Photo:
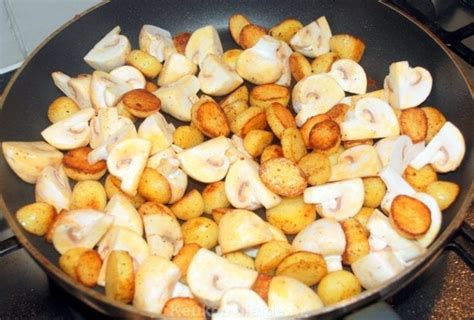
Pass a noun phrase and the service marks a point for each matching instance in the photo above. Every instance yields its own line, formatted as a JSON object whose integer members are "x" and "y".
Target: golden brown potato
{"x": 88, "y": 194}
{"x": 265, "y": 95}
{"x": 420, "y": 179}
{"x": 120, "y": 276}
{"x": 202, "y": 231}
{"x": 77, "y": 167}
{"x": 232, "y": 110}
{"x": 325, "y": 137}
{"x": 309, "y": 124}
{"x": 283, "y": 177}
{"x": 252, "y": 118}
{"x": 48, "y": 237}
{"x": 150, "y": 87}
{"x": 347, "y": 46}
{"x": 270, "y": 255}
{"x": 241, "y": 259}
{"x": 250, "y": 34}
{"x": 333, "y": 158}
{"x": 410, "y": 216}
{"x": 444, "y": 192}
{"x": 231, "y": 56}
{"x": 271, "y": 152}
{"x": 292, "y": 144}
{"x": 363, "y": 215}
{"x": 218, "y": 213}
{"x": 357, "y": 241}
{"x": 146, "y": 63}
{"x": 184, "y": 309}
{"x": 286, "y": 29}
{"x": 180, "y": 41}
{"x": 337, "y": 286}
{"x": 299, "y": 66}
{"x": 187, "y": 137}
{"x": 338, "y": 112}
{"x": 190, "y": 206}
{"x": 122, "y": 109}
{"x": 36, "y": 218}
{"x": 239, "y": 94}
{"x": 316, "y": 167}
{"x": 352, "y": 143}
{"x": 262, "y": 285}
{"x": 152, "y": 207}
{"x": 435, "y": 120}
{"x": 209, "y": 118}
{"x": 153, "y": 186}
{"x": 141, "y": 103}
{"x": 306, "y": 267}
{"x": 374, "y": 191}
{"x": 61, "y": 108}
{"x": 236, "y": 23}
{"x": 279, "y": 118}
{"x": 291, "y": 215}
{"x": 214, "y": 197}
{"x": 257, "y": 140}
{"x": 323, "y": 63}
{"x": 88, "y": 268}
{"x": 112, "y": 186}
{"x": 184, "y": 258}
{"x": 413, "y": 123}
{"x": 69, "y": 260}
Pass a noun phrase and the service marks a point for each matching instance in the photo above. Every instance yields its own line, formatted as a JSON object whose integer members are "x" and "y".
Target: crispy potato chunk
{"x": 250, "y": 34}
{"x": 299, "y": 66}
{"x": 347, "y": 46}
{"x": 150, "y": 87}
{"x": 236, "y": 23}
{"x": 413, "y": 123}
{"x": 265, "y": 95}
{"x": 279, "y": 118}
{"x": 218, "y": 213}
{"x": 323, "y": 63}
{"x": 283, "y": 177}
{"x": 146, "y": 63}
{"x": 232, "y": 111}
{"x": 251, "y": 119}
{"x": 257, "y": 140}
{"x": 435, "y": 120}
{"x": 352, "y": 143}
{"x": 152, "y": 207}
{"x": 184, "y": 257}
{"x": 444, "y": 192}
{"x": 184, "y": 308}
{"x": 420, "y": 179}
{"x": 363, "y": 215}
{"x": 180, "y": 41}
{"x": 209, "y": 118}
{"x": 202, "y": 231}
{"x": 325, "y": 136}
{"x": 77, "y": 167}
{"x": 357, "y": 241}
{"x": 337, "y": 286}
{"x": 306, "y": 267}
{"x": 112, "y": 187}
{"x": 316, "y": 167}
{"x": 153, "y": 186}
{"x": 292, "y": 144}
{"x": 338, "y": 112}
{"x": 36, "y": 218}
{"x": 190, "y": 206}
{"x": 88, "y": 194}
{"x": 270, "y": 255}
{"x": 374, "y": 191}
{"x": 88, "y": 268}
{"x": 291, "y": 215}
{"x": 241, "y": 259}
{"x": 120, "y": 276}
{"x": 239, "y": 94}
{"x": 286, "y": 29}
{"x": 271, "y": 152}
{"x": 141, "y": 103}
{"x": 214, "y": 197}
{"x": 61, "y": 108}
{"x": 262, "y": 285}
{"x": 308, "y": 126}
{"x": 69, "y": 260}
{"x": 410, "y": 216}
{"x": 231, "y": 56}
{"x": 187, "y": 137}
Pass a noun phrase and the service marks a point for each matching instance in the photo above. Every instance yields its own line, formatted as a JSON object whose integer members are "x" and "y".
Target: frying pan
{"x": 388, "y": 34}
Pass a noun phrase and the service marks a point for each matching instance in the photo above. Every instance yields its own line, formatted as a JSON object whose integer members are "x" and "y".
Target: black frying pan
{"x": 389, "y": 36}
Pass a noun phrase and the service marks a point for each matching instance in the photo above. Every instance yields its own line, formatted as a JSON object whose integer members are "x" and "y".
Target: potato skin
{"x": 69, "y": 261}
{"x": 435, "y": 120}
{"x": 271, "y": 152}
{"x": 420, "y": 179}
{"x": 77, "y": 166}
{"x": 184, "y": 257}
{"x": 286, "y": 29}
{"x": 337, "y": 286}
{"x": 325, "y": 136}
{"x": 306, "y": 267}
{"x": 347, "y": 46}
{"x": 256, "y": 141}
{"x": 308, "y": 126}
{"x": 270, "y": 255}
{"x": 184, "y": 308}
{"x": 291, "y": 215}
{"x": 187, "y": 137}
{"x": 363, "y": 215}
{"x": 299, "y": 66}
{"x": 250, "y": 34}
{"x": 150, "y": 87}
{"x": 230, "y": 57}
{"x": 409, "y": 216}
{"x": 265, "y": 95}
{"x": 374, "y": 191}
{"x": 209, "y": 118}
{"x": 120, "y": 277}
{"x": 152, "y": 207}
{"x": 141, "y": 103}
{"x": 279, "y": 118}
{"x": 236, "y": 23}
{"x": 146, "y": 63}
{"x": 190, "y": 206}
{"x": 36, "y": 218}
{"x": 214, "y": 197}
{"x": 357, "y": 241}
{"x": 262, "y": 285}
{"x": 240, "y": 258}
{"x": 250, "y": 119}
{"x": 180, "y": 41}
{"x": 88, "y": 194}
{"x": 153, "y": 186}
{"x": 88, "y": 268}
{"x": 323, "y": 63}
{"x": 413, "y": 123}
{"x": 61, "y": 108}
{"x": 202, "y": 231}
{"x": 283, "y": 177}
{"x": 316, "y": 167}
{"x": 444, "y": 192}
{"x": 292, "y": 144}
{"x": 338, "y": 112}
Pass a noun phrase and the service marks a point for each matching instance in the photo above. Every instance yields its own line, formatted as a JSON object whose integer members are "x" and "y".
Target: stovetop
{"x": 444, "y": 291}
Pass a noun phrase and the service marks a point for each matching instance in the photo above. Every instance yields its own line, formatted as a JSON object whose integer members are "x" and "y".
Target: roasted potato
{"x": 61, "y": 108}
{"x": 309, "y": 124}
{"x": 239, "y": 94}
{"x": 146, "y": 63}
{"x": 283, "y": 177}
{"x": 357, "y": 241}
{"x": 209, "y": 118}
{"x": 306, "y": 267}
{"x": 413, "y": 123}
{"x": 152, "y": 207}
{"x": 250, "y": 119}
{"x": 232, "y": 111}
{"x": 214, "y": 197}
{"x": 36, "y": 218}
{"x": 153, "y": 186}
{"x": 141, "y": 103}
{"x": 279, "y": 118}
{"x": 88, "y": 194}
{"x": 325, "y": 137}
{"x": 420, "y": 179}
{"x": 286, "y": 29}
{"x": 122, "y": 109}
{"x": 347, "y": 46}
{"x": 180, "y": 41}
{"x": 250, "y": 34}
{"x": 190, "y": 206}
{"x": 444, "y": 192}
{"x": 337, "y": 286}
{"x": 230, "y": 57}
{"x": 236, "y": 23}
{"x": 218, "y": 213}
{"x": 292, "y": 144}
{"x": 265, "y": 95}
{"x": 184, "y": 257}
{"x": 410, "y": 216}
{"x": 262, "y": 285}
{"x": 184, "y": 309}
{"x": 271, "y": 152}
{"x": 150, "y": 87}
{"x": 435, "y": 120}
{"x": 338, "y": 112}
{"x": 69, "y": 260}
{"x": 200, "y": 230}
{"x": 291, "y": 215}
{"x": 316, "y": 167}
{"x": 299, "y": 66}
{"x": 323, "y": 63}
{"x": 187, "y": 137}
{"x": 374, "y": 191}
{"x": 256, "y": 141}
{"x": 363, "y": 215}
{"x": 352, "y": 143}
{"x": 270, "y": 255}
{"x": 120, "y": 276}
{"x": 88, "y": 268}
{"x": 112, "y": 186}
{"x": 240, "y": 258}
{"x": 77, "y": 166}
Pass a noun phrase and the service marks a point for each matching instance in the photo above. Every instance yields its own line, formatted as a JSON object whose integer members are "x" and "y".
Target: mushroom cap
{"x": 52, "y": 186}
{"x": 203, "y": 41}
{"x": 156, "y": 42}
{"x": 176, "y": 67}
{"x": 313, "y": 39}
{"x": 349, "y": 75}
{"x": 356, "y": 162}
{"x": 241, "y": 303}
{"x": 130, "y": 75}
{"x": 159, "y": 132}
{"x": 163, "y": 234}
{"x": 124, "y": 213}
{"x": 398, "y": 152}
{"x": 217, "y": 78}
{"x": 284, "y": 53}
{"x": 80, "y": 90}
{"x": 106, "y": 89}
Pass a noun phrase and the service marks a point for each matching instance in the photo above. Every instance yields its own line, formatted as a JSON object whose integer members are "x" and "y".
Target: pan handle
{"x": 379, "y": 310}
{"x": 462, "y": 244}
{"x": 9, "y": 245}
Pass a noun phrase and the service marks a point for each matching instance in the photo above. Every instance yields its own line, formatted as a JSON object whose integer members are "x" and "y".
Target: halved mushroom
{"x": 156, "y": 130}
{"x": 356, "y": 162}
{"x": 70, "y": 133}
{"x": 381, "y": 94}
{"x": 176, "y": 67}
{"x": 163, "y": 234}
{"x": 261, "y": 64}
{"x": 124, "y": 213}
{"x": 241, "y": 303}
{"x": 127, "y": 160}
{"x": 79, "y": 229}
{"x": 110, "y": 52}
{"x": 130, "y": 75}
{"x": 349, "y": 75}
{"x": 107, "y": 90}
{"x": 444, "y": 152}
{"x": 202, "y": 42}
{"x": 339, "y": 200}
{"x": 217, "y": 78}
{"x": 210, "y": 276}
{"x": 78, "y": 88}
{"x": 407, "y": 87}
{"x": 156, "y": 42}
{"x": 313, "y": 95}
{"x": 313, "y": 39}
{"x": 284, "y": 53}
{"x": 371, "y": 118}
{"x": 28, "y": 159}
{"x": 245, "y": 189}
{"x": 325, "y": 237}
{"x": 178, "y": 98}
{"x": 237, "y": 150}
{"x": 52, "y": 186}
{"x": 181, "y": 290}
{"x": 207, "y": 162}
{"x": 398, "y": 152}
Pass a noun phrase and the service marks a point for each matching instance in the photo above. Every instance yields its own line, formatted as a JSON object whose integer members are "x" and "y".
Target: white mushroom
{"x": 325, "y": 237}
{"x": 237, "y": 150}
{"x": 381, "y": 94}
{"x": 217, "y": 78}
{"x": 398, "y": 152}
{"x": 356, "y": 162}
{"x": 202, "y": 42}
{"x": 78, "y": 89}
{"x": 407, "y": 87}
{"x": 313, "y": 39}
{"x": 70, "y": 133}
{"x": 156, "y": 42}
{"x": 176, "y": 67}
{"x": 241, "y": 303}
{"x": 28, "y": 159}
{"x": 371, "y": 118}
{"x": 130, "y": 75}
{"x": 156, "y": 130}
{"x": 107, "y": 90}
{"x": 124, "y": 213}
{"x": 181, "y": 290}
{"x": 444, "y": 152}
{"x": 110, "y": 52}
{"x": 261, "y": 64}
{"x": 52, "y": 186}
{"x": 340, "y": 200}
{"x": 284, "y": 53}
{"x": 349, "y": 75}
{"x": 163, "y": 234}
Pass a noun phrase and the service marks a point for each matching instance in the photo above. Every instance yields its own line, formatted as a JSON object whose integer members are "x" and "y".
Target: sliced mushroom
{"x": 241, "y": 303}
{"x": 107, "y": 90}
{"x": 371, "y": 118}
{"x": 398, "y": 152}
{"x": 156, "y": 130}
{"x": 356, "y": 162}
{"x": 284, "y": 53}
{"x": 245, "y": 189}
{"x": 407, "y": 87}
{"x": 202, "y": 42}
{"x": 130, "y": 75}
{"x": 181, "y": 290}
{"x": 381, "y": 94}
{"x": 313, "y": 39}
{"x": 349, "y": 75}
{"x": 163, "y": 234}
{"x": 339, "y": 200}
{"x": 28, "y": 159}
{"x": 70, "y": 133}
{"x": 176, "y": 67}
{"x": 124, "y": 213}
{"x": 156, "y": 42}
{"x": 52, "y": 186}
{"x": 78, "y": 89}
{"x": 217, "y": 78}
{"x": 110, "y": 52}
{"x": 444, "y": 152}
{"x": 325, "y": 237}
{"x": 127, "y": 160}
{"x": 237, "y": 150}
